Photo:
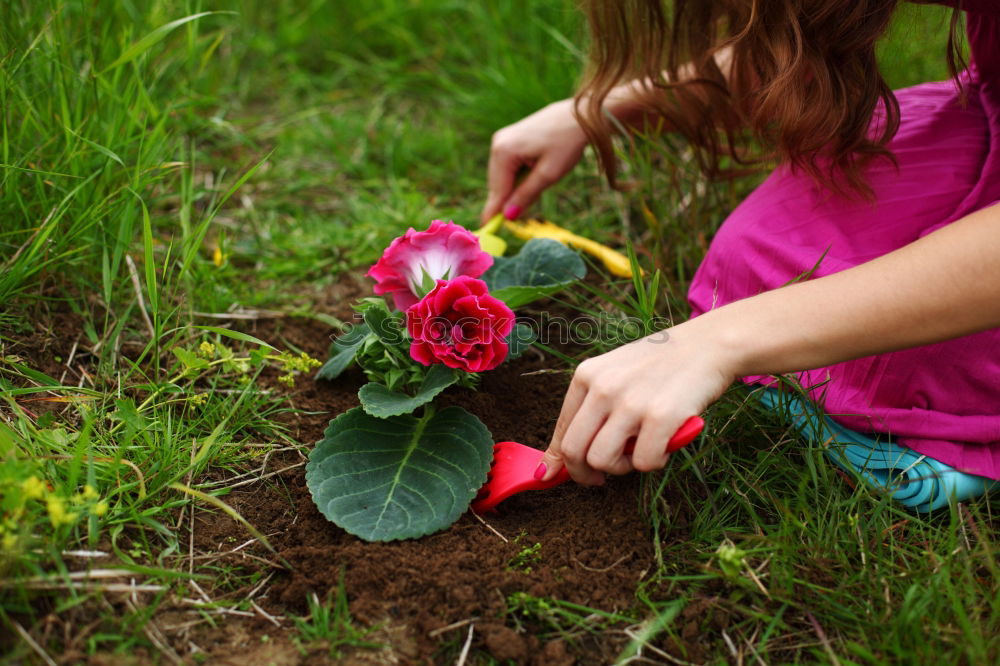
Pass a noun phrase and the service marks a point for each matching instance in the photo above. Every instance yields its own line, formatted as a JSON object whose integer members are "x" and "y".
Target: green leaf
{"x": 127, "y": 413}
{"x": 427, "y": 282}
{"x": 381, "y": 402}
{"x": 522, "y": 337}
{"x": 189, "y": 359}
{"x": 147, "y": 244}
{"x": 401, "y": 477}
{"x": 394, "y": 377}
{"x": 541, "y": 268}
{"x": 387, "y": 326}
{"x": 343, "y": 350}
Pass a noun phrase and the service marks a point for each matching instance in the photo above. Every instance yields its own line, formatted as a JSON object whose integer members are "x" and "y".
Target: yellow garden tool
{"x": 488, "y": 239}
{"x": 616, "y": 262}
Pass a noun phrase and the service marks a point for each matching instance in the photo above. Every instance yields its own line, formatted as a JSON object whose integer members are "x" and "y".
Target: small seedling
{"x": 527, "y": 558}
{"x": 731, "y": 559}
{"x": 560, "y": 618}
{"x": 331, "y": 622}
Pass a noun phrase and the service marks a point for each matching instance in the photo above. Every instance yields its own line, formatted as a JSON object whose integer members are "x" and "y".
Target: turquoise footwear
{"x": 912, "y": 479}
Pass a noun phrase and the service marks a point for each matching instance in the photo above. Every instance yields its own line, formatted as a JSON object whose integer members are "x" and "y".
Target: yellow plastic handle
{"x": 616, "y": 262}
{"x": 488, "y": 239}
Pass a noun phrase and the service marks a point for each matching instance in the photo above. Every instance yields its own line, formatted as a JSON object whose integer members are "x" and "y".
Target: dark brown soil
{"x": 594, "y": 547}
{"x": 584, "y": 546}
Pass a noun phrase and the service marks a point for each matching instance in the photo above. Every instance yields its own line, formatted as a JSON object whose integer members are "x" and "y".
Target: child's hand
{"x": 646, "y": 390}
{"x": 548, "y": 143}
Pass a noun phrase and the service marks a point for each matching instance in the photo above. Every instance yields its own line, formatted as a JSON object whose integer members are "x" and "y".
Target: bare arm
{"x": 548, "y": 143}
{"x": 942, "y": 286}
{"x": 624, "y": 101}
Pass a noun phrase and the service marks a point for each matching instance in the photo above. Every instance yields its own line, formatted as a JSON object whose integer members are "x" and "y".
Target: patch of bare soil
{"x": 424, "y": 594}
{"x": 585, "y": 546}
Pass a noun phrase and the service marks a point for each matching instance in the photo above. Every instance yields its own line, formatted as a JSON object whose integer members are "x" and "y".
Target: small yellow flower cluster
{"x": 8, "y": 535}
{"x": 58, "y": 514}
{"x": 197, "y": 399}
{"x": 33, "y": 488}
{"x": 293, "y": 365}
{"x": 23, "y": 499}
{"x": 206, "y": 350}
{"x": 88, "y": 496}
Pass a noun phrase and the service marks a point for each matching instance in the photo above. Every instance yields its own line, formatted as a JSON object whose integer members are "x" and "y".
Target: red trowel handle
{"x": 684, "y": 435}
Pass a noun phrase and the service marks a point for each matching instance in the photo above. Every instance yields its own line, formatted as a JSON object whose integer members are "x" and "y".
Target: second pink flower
{"x": 459, "y": 324}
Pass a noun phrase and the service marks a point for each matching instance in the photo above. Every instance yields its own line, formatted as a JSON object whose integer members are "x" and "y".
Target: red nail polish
{"x": 540, "y": 471}
{"x": 512, "y": 212}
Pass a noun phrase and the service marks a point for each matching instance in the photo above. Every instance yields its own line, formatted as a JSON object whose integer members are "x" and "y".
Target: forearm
{"x": 626, "y": 101}
{"x": 942, "y": 286}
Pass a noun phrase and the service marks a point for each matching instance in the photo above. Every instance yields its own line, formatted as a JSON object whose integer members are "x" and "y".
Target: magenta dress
{"x": 942, "y": 400}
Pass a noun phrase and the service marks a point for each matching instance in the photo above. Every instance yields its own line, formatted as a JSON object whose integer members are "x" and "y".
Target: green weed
{"x": 551, "y": 618}
{"x": 526, "y": 558}
{"x": 330, "y": 622}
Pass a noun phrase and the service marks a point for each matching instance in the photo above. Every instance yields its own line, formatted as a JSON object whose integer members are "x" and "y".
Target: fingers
{"x": 590, "y": 434}
{"x": 576, "y": 443}
{"x": 553, "y": 458}
{"x": 504, "y": 196}
{"x": 501, "y": 174}
{"x": 549, "y": 143}
{"x": 660, "y": 435}
{"x": 542, "y": 175}
{"x": 651, "y": 445}
{"x": 606, "y": 452}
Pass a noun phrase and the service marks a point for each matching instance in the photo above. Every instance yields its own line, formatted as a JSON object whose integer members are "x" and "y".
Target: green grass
{"x": 819, "y": 556}
{"x": 330, "y": 623}
{"x": 157, "y": 159}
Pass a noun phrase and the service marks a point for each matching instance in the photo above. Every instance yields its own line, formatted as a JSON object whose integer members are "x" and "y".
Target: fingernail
{"x": 540, "y": 471}
{"x": 512, "y": 212}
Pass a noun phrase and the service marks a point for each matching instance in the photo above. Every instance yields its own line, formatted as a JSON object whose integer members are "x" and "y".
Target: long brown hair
{"x": 803, "y": 86}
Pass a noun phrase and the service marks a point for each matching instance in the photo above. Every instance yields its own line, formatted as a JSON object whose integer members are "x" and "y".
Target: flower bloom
{"x": 459, "y": 324}
{"x": 413, "y": 263}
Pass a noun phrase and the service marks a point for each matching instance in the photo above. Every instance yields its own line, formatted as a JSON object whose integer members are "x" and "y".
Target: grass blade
{"x": 144, "y": 44}
{"x": 232, "y": 513}
{"x": 236, "y": 335}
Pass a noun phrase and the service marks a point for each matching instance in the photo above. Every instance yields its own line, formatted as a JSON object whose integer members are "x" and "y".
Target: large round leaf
{"x": 400, "y": 477}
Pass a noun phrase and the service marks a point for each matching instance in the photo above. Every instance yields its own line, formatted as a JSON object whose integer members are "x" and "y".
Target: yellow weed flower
{"x": 89, "y": 492}
{"x": 33, "y": 487}
{"x": 206, "y": 349}
{"x": 9, "y": 541}
{"x": 100, "y": 508}
{"x": 58, "y": 515}
{"x": 308, "y": 361}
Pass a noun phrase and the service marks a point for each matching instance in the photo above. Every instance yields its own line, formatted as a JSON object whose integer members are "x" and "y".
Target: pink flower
{"x": 459, "y": 324}
{"x": 413, "y": 263}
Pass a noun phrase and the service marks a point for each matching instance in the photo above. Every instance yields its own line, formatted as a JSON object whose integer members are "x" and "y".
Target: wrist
{"x": 620, "y": 102}
{"x": 722, "y": 340}
{"x": 623, "y": 103}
